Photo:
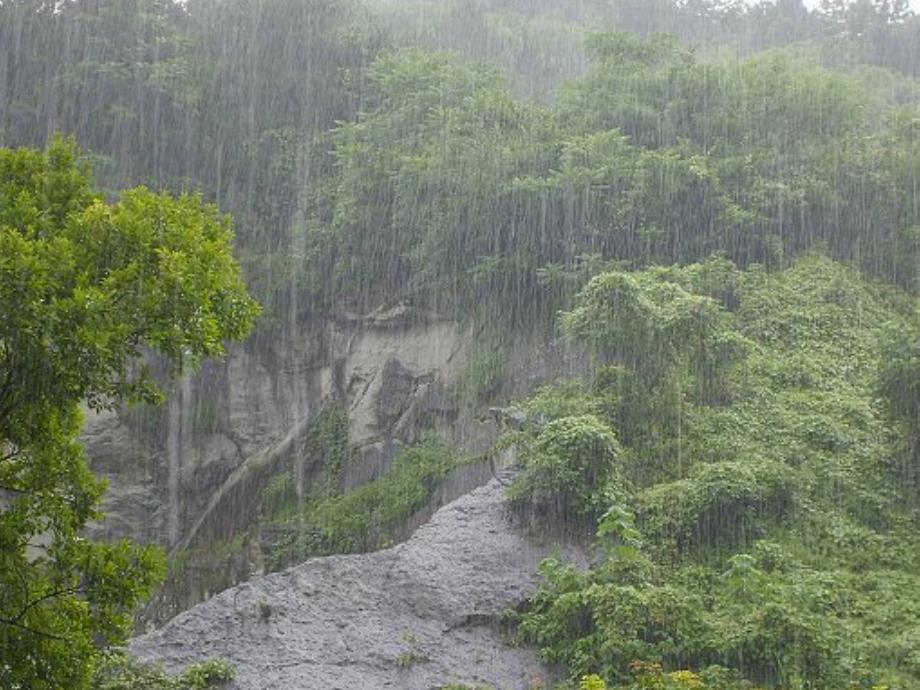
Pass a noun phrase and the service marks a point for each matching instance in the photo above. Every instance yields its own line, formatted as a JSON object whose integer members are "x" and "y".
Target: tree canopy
{"x": 708, "y": 190}
{"x": 88, "y": 291}
{"x": 765, "y": 537}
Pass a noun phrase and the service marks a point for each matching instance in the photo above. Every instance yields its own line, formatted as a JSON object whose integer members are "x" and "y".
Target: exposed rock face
{"x": 137, "y": 487}
{"x": 235, "y": 421}
{"x": 190, "y": 475}
{"x": 420, "y": 615}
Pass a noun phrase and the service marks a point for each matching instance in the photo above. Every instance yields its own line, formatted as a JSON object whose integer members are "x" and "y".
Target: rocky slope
{"x": 190, "y": 475}
{"x": 167, "y": 467}
{"x": 421, "y": 615}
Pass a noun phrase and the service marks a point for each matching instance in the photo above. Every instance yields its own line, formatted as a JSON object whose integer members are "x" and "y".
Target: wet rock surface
{"x": 420, "y": 615}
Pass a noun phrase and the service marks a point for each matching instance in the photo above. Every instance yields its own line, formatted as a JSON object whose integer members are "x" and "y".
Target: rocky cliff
{"x": 191, "y": 475}
{"x": 165, "y": 465}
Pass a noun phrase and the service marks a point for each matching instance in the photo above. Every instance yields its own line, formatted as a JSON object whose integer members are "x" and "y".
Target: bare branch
{"x": 33, "y": 631}
{"x": 51, "y": 595}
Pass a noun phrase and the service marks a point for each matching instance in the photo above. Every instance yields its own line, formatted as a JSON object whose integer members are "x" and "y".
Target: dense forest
{"x": 717, "y": 200}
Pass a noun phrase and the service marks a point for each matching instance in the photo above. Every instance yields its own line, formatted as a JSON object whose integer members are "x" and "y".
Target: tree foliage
{"x": 87, "y": 290}
{"x": 450, "y": 192}
{"x": 570, "y": 461}
{"x": 773, "y": 541}
{"x": 657, "y": 149}
{"x": 750, "y": 430}
{"x": 899, "y": 384}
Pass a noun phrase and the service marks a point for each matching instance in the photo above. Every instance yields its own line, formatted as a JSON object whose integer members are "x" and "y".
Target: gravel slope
{"x": 412, "y": 617}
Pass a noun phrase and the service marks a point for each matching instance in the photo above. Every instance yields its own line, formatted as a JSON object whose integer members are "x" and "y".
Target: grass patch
{"x": 368, "y": 517}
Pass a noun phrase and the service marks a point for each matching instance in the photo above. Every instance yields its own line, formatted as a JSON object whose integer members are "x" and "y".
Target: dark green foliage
{"x": 177, "y": 95}
{"x": 418, "y": 182}
{"x": 780, "y": 543}
{"x": 438, "y": 184}
{"x": 450, "y": 191}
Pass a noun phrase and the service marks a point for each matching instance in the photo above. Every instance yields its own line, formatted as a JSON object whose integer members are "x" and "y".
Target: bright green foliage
{"x": 86, "y": 288}
{"x": 780, "y": 543}
{"x": 719, "y": 503}
{"x": 658, "y": 324}
{"x": 651, "y": 676}
{"x": 668, "y": 342}
{"x": 899, "y": 384}
{"x": 592, "y": 682}
{"x": 567, "y": 464}
{"x": 366, "y": 518}
{"x": 117, "y": 671}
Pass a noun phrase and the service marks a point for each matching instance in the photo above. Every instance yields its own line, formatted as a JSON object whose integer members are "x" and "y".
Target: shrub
{"x": 367, "y": 517}
{"x": 118, "y": 671}
{"x": 720, "y": 504}
{"x": 566, "y": 467}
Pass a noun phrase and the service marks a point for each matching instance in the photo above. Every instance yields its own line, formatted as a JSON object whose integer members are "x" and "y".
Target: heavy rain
{"x": 459, "y": 344}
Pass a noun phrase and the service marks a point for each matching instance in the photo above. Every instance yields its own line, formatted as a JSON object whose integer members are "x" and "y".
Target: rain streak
{"x": 459, "y": 344}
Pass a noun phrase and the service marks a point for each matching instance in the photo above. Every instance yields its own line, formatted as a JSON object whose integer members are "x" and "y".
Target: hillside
{"x": 662, "y": 255}
{"x": 760, "y": 515}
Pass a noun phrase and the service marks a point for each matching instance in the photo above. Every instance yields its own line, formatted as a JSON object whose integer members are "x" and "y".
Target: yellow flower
{"x": 686, "y": 679}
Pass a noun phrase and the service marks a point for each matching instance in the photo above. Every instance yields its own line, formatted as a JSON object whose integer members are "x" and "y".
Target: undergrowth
{"x": 365, "y": 518}
{"x": 756, "y": 530}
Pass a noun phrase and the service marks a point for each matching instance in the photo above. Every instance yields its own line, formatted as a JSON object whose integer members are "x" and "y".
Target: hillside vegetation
{"x": 718, "y": 200}
{"x": 759, "y": 513}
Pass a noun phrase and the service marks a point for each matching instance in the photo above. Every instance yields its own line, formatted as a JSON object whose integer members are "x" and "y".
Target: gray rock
{"x": 509, "y": 417}
{"x": 417, "y": 616}
{"x": 396, "y": 386}
{"x": 368, "y": 463}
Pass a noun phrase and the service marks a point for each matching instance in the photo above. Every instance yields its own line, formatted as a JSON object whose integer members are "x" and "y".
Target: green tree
{"x": 667, "y": 343}
{"x": 424, "y": 200}
{"x": 87, "y": 289}
{"x": 899, "y": 383}
{"x": 567, "y": 467}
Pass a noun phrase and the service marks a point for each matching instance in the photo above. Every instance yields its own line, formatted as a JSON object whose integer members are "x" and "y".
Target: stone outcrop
{"x": 168, "y": 468}
{"x": 190, "y": 475}
{"x": 421, "y": 615}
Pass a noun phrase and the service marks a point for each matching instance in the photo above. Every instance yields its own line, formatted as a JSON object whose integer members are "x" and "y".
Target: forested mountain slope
{"x": 669, "y": 251}
{"x": 739, "y": 459}
{"x": 759, "y": 511}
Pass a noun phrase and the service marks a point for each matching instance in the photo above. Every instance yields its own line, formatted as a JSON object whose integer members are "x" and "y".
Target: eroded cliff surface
{"x": 165, "y": 465}
{"x": 191, "y": 475}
